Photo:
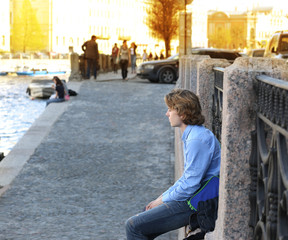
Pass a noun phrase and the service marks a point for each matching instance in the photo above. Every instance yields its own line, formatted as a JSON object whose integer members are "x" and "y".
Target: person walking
{"x": 172, "y": 209}
{"x": 115, "y": 51}
{"x": 144, "y": 56}
{"x": 133, "y": 56}
{"x": 124, "y": 56}
{"x": 150, "y": 57}
{"x": 91, "y": 54}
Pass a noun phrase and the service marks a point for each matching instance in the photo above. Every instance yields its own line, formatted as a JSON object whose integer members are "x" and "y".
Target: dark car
{"x": 166, "y": 71}
{"x": 230, "y": 55}
{"x": 256, "y": 52}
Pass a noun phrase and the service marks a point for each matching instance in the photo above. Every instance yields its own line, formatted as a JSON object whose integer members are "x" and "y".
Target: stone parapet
{"x": 238, "y": 120}
{"x": 205, "y": 85}
{"x": 75, "y": 71}
{"x": 188, "y": 71}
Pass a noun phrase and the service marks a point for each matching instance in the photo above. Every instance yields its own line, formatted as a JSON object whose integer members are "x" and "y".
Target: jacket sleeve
{"x": 198, "y": 158}
{"x": 97, "y": 52}
{"x": 84, "y": 46}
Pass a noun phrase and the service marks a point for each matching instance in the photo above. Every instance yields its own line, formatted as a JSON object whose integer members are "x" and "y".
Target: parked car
{"x": 166, "y": 71}
{"x": 277, "y": 46}
{"x": 256, "y": 52}
{"x": 230, "y": 55}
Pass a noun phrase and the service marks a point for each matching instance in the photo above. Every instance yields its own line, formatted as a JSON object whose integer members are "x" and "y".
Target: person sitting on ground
{"x": 60, "y": 91}
{"x": 172, "y": 209}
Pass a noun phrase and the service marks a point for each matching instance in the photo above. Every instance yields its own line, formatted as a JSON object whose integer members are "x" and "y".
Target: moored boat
{"x": 38, "y": 72}
{"x": 3, "y": 73}
{"x": 40, "y": 88}
{"x": 26, "y": 71}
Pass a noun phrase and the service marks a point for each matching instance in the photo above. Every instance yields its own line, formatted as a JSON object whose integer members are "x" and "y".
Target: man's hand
{"x": 154, "y": 203}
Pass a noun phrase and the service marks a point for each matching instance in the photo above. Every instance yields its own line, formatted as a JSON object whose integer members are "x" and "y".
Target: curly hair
{"x": 187, "y": 105}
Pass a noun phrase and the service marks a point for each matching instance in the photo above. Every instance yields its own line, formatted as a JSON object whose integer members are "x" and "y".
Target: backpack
{"x": 204, "y": 204}
{"x": 72, "y": 93}
{"x": 204, "y": 218}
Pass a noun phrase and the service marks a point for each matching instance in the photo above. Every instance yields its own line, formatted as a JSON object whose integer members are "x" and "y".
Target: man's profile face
{"x": 174, "y": 119}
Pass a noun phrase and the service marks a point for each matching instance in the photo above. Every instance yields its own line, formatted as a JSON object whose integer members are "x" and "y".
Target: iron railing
{"x": 217, "y": 102}
{"x": 269, "y": 161}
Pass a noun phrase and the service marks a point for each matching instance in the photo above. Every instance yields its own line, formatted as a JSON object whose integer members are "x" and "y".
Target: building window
{"x": 56, "y": 41}
{"x": 63, "y": 40}
{"x": 3, "y": 40}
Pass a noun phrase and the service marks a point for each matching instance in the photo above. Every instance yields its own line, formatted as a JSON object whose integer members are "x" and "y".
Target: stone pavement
{"x": 88, "y": 164}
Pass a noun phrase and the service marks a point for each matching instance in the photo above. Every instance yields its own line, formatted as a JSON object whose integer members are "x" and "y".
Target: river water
{"x": 17, "y": 110}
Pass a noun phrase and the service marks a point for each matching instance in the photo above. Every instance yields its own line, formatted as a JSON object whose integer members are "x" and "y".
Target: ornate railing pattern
{"x": 269, "y": 161}
{"x": 217, "y": 102}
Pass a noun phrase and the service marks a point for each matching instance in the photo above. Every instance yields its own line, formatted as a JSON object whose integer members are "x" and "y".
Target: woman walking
{"x": 125, "y": 59}
{"x": 133, "y": 57}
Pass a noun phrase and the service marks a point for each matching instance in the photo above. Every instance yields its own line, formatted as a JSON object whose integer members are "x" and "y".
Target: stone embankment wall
{"x": 72, "y": 64}
{"x": 238, "y": 120}
{"x": 13, "y": 65}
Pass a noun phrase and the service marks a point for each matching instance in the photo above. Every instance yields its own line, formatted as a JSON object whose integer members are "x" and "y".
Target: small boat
{"x": 42, "y": 88}
{"x": 3, "y": 73}
{"x": 37, "y": 72}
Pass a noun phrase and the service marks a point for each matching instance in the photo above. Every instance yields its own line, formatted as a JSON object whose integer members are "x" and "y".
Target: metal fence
{"x": 269, "y": 161}
{"x": 217, "y": 102}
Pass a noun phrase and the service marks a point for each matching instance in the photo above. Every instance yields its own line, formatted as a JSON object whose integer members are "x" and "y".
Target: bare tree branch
{"x": 163, "y": 20}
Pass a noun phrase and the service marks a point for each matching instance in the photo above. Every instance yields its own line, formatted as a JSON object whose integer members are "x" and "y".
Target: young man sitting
{"x": 172, "y": 209}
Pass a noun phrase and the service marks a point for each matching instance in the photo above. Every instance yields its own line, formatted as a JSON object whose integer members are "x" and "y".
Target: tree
{"x": 27, "y": 34}
{"x": 163, "y": 20}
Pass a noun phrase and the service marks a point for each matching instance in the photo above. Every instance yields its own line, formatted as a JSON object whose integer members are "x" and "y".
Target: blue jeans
{"x": 159, "y": 220}
{"x": 133, "y": 62}
{"x": 124, "y": 66}
{"x": 54, "y": 100}
{"x": 91, "y": 63}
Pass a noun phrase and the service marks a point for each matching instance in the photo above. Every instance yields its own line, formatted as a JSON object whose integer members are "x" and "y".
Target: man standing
{"x": 91, "y": 53}
{"x": 172, "y": 209}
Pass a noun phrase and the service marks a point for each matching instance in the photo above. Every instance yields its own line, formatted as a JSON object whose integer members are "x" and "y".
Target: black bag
{"x": 204, "y": 218}
{"x": 72, "y": 93}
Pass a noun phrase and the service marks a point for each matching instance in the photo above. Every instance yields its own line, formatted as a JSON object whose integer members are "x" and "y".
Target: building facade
{"x": 64, "y": 25}
{"x": 245, "y": 30}
{"x": 199, "y": 24}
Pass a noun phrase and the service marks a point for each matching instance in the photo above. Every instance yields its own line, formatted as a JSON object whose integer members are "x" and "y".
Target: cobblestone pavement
{"x": 108, "y": 155}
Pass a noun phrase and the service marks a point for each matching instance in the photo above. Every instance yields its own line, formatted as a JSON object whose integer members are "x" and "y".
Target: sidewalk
{"x": 88, "y": 164}
{"x": 111, "y": 76}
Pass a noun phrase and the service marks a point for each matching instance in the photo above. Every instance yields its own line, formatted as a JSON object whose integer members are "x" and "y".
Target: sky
{"x": 228, "y": 5}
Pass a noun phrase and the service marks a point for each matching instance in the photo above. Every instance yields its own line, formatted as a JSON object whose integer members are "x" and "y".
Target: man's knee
{"x": 129, "y": 225}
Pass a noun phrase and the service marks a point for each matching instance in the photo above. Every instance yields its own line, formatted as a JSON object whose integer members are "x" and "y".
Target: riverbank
{"x": 97, "y": 160}
{"x": 17, "y": 110}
